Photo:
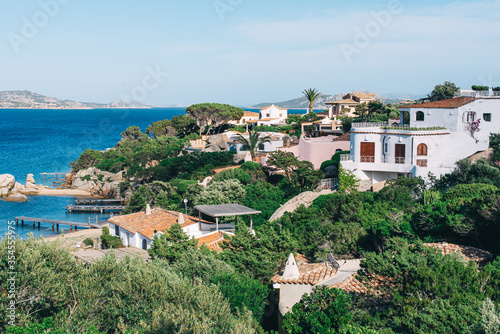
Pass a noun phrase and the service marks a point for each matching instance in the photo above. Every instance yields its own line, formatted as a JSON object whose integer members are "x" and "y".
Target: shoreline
{"x": 66, "y": 192}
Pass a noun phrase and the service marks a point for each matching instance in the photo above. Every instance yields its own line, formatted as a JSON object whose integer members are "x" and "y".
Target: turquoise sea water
{"x": 37, "y": 141}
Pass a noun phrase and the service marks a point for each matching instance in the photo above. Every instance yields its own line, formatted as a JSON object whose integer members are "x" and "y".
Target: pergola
{"x": 226, "y": 210}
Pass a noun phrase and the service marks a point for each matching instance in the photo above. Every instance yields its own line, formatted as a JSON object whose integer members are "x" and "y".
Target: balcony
{"x": 367, "y": 158}
{"x": 346, "y": 157}
{"x": 476, "y": 93}
{"x": 396, "y": 160}
{"x": 369, "y": 124}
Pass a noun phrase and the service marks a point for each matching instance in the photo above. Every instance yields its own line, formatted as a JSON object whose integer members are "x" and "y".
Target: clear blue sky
{"x": 250, "y": 51}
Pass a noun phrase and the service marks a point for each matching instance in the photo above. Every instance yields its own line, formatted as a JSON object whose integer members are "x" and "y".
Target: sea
{"x": 36, "y": 141}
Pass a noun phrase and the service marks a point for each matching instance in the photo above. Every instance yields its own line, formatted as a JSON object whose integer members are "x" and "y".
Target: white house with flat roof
{"x": 437, "y": 136}
{"x": 272, "y": 115}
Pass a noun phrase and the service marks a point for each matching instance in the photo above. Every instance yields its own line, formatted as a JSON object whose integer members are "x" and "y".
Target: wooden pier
{"x": 98, "y": 201}
{"x": 56, "y": 223}
{"x": 95, "y": 208}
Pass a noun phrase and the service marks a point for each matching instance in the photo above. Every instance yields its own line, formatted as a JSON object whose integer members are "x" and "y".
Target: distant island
{"x": 320, "y": 103}
{"x": 23, "y": 99}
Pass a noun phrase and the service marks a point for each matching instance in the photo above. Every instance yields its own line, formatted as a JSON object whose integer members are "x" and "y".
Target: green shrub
{"x": 89, "y": 242}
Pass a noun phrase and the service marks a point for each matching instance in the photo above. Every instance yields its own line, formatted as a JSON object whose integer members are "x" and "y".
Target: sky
{"x": 244, "y": 52}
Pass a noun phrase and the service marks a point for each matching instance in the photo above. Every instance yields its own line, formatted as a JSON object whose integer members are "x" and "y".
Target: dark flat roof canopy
{"x": 223, "y": 210}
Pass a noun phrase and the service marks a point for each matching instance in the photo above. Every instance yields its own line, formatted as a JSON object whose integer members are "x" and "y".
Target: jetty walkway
{"x": 95, "y": 208}
{"x": 55, "y": 222}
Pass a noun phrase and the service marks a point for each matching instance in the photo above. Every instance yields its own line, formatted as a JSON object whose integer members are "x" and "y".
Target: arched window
{"x": 422, "y": 149}
{"x": 420, "y": 116}
{"x": 144, "y": 244}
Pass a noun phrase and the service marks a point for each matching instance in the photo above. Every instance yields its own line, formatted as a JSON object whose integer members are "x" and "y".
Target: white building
{"x": 248, "y": 116}
{"x": 436, "y": 137}
{"x": 272, "y": 115}
{"x": 138, "y": 229}
{"x": 276, "y": 140}
{"x": 347, "y": 106}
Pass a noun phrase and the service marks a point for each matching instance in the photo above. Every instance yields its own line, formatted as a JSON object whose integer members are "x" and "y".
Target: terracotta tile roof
{"x": 274, "y": 106}
{"x": 219, "y": 170}
{"x": 250, "y": 114}
{"x": 347, "y": 101}
{"x": 364, "y": 96}
{"x": 469, "y": 253}
{"x": 159, "y": 220}
{"x": 212, "y": 241}
{"x": 266, "y": 119}
{"x": 344, "y": 137}
{"x": 310, "y": 273}
{"x": 456, "y": 102}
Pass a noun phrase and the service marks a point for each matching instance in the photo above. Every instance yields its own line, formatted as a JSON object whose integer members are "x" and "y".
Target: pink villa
{"x": 319, "y": 149}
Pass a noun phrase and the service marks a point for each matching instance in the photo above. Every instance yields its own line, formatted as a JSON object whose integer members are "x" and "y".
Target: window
{"x": 487, "y": 117}
{"x": 420, "y": 116}
{"x": 261, "y": 147}
{"x": 117, "y": 231}
{"x": 268, "y": 115}
{"x": 338, "y": 150}
{"x": 281, "y": 115}
{"x": 422, "y": 162}
{"x": 244, "y": 148}
{"x": 367, "y": 152}
{"x": 400, "y": 153}
{"x": 144, "y": 244}
{"x": 469, "y": 116}
{"x": 422, "y": 149}
{"x": 386, "y": 147}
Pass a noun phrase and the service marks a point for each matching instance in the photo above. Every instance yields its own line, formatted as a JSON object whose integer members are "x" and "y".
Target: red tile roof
{"x": 469, "y": 253}
{"x": 250, "y": 114}
{"x": 344, "y": 137}
{"x": 347, "y": 101}
{"x": 271, "y": 106}
{"x": 159, "y": 220}
{"x": 456, "y": 102}
{"x": 212, "y": 241}
{"x": 310, "y": 273}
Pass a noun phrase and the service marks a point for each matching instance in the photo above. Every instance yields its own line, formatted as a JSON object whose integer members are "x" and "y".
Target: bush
{"x": 109, "y": 241}
{"x": 89, "y": 242}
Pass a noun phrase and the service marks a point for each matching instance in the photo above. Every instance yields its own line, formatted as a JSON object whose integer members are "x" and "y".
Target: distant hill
{"x": 23, "y": 99}
{"x": 302, "y": 103}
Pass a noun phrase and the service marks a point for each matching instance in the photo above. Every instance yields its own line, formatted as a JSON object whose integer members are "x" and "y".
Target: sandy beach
{"x": 70, "y": 239}
{"x": 66, "y": 192}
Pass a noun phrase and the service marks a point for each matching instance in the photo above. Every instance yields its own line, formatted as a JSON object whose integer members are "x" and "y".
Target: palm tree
{"x": 311, "y": 94}
{"x": 254, "y": 141}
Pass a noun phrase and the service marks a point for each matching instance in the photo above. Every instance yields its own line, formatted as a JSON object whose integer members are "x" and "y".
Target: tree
{"x": 300, "y": 173}
{"x": 222, "y": 192}
{"x": 324, "y": 310}
{"x": 257, "y": 255}
{"x": 311, "y": 95}
{"x": 133, "y": 133}
{"x": 348, "y": 182}
{"x": 443, "y": 92}
{"x": 253, "y": 142}
{"x": 361, "y": 110}
{"x": 172, "y": 245}
{"x": 213, "y": 114}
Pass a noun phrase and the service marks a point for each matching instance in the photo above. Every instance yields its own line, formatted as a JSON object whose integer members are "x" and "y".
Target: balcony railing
{"x": 367, "y": 158}
{"x": 368, "y": 124}
{"x": 408, "y": 128}
{"x": 345, "y": 157}
{"x": 390, "y": 160}
{"x": 476, "y": 93}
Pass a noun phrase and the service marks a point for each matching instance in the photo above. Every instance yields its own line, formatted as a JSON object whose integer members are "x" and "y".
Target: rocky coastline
{"x": 90, "y": 182}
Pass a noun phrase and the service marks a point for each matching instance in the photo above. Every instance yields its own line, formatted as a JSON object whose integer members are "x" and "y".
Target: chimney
{"x": 291, "y": 269}
{"x": 181, "y": 220}
{"x": 148, "y": 210}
